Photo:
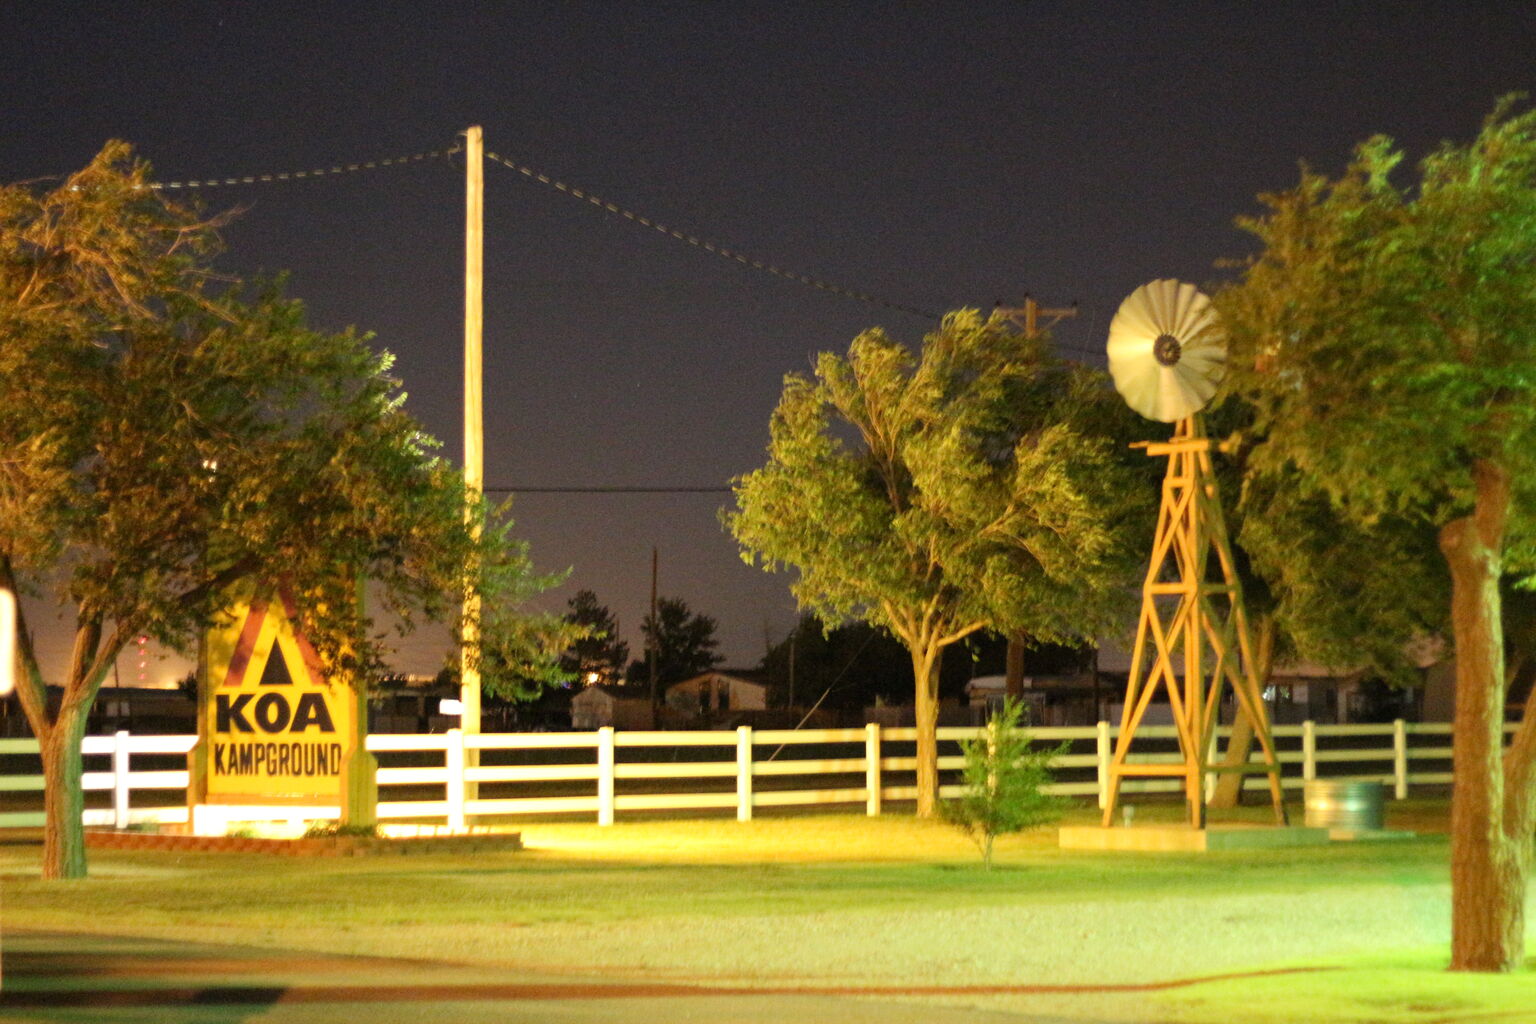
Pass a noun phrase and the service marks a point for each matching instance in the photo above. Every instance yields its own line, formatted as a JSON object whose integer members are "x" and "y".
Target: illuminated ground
{"x": 812, "y": 918}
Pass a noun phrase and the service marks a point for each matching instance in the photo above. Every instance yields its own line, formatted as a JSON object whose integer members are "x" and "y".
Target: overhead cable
{"x": 318, "y": 172}
{"x": 708, "y": 246}
{"x": 575, "y": 193}
{"x": 606, "y": 490}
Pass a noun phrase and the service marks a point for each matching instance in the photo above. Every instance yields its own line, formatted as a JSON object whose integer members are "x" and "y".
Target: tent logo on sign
{"x": 276, "y": 728}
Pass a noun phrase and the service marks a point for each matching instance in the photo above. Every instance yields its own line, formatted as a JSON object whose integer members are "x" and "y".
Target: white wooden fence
{"x": 741, "y": 769}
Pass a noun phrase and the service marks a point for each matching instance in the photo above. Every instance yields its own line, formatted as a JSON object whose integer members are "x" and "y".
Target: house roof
{"x": 998, "y": 684}
{"x": 609, "y": 690}
{"x": 747, "y": 677}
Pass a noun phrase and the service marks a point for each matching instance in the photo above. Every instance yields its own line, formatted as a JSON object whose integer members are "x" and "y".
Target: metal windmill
{"x": 1167, "y": 356}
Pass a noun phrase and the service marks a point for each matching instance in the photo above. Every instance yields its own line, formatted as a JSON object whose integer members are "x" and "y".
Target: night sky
{"x": 934, "y": 156}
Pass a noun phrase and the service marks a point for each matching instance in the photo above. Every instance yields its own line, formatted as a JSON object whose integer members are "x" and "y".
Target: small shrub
{"x": 1003, "y": 777}
{"x": 332, "y": 829}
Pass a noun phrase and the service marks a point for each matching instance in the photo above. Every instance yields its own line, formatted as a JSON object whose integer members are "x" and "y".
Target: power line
{"x": 318, "y": 172}
{"x": 708, "y": 246}
{"x": 575, "y": 193}
{"x": 1083, "y": 350}
{"x": 570, "y": 190}
{"x": 607, "y": 490}
{"x": 830, "y": 686}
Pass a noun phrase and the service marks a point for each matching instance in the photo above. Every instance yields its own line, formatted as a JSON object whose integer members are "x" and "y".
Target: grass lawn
{"x": 888, "y": 903}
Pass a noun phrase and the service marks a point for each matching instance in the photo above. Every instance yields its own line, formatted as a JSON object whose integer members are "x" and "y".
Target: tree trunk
{"x": 1520, "y": 783}
{"x": 1013, "y": 678}
{"x": 925, "y": 670}
{"x": 63, "y": 799}
{"x": 1488, "y": 870}
{"x": 1229, "y": 785}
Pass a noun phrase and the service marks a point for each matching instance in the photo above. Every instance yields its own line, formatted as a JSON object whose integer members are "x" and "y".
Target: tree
{"x": 1311, "y": 579}
{"x": 975, "y": 486}
{"x": 846, "y": 666}
{"x": 1003, "y": 778}
{"x": 600, "y": 651}
{"x": 162, "y": 436}
{"x": 682, "y": 641}
{"x": 852, "y": 665}
{"x": 1386, "y": 336}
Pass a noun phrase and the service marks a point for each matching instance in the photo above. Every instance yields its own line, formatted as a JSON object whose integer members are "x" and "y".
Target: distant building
{"x": 715, "y": 693}
{"x": 1047, "y": 700}
{"x": 951, "y": 713}
{"x": 987, "y": 693}
{"x": 142, "y": 710}
{"x": 410, "y": 705}
{"x": 600, "y": 706}
{"x": 1305, "y": 691}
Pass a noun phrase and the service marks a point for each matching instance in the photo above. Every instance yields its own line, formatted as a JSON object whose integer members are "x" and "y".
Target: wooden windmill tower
{"x": 1192, "y": 643}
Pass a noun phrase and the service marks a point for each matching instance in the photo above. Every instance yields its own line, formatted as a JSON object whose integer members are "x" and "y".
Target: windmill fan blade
{"x": 1166, "y": 353}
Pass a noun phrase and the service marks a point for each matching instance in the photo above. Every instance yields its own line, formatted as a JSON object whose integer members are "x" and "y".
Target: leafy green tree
{"x": 854, "y": 665}
{"x": 978, "y": 485}
{"x": 600, "y": 652}
{"x": 846, "y": 667}
{"x": 682, "y": 641}
{"x": 1386, "y": 336}
{"x": 1003, "y": 778}
{"x": 1318, "y": 575}
{"x": 163, "y": 435}
{"x": 1311, "y": 577}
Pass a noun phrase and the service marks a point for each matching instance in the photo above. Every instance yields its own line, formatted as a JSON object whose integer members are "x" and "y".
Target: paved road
{"x": 65, "y": 977}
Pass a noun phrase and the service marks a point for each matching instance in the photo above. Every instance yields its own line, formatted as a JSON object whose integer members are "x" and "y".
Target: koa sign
{"x": 275, "y": 730}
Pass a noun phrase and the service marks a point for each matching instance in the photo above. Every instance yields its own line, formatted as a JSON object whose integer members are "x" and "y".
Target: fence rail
{"x": 604, "y": 773}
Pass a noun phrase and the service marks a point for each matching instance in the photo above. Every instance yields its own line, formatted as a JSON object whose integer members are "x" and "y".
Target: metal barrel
{"x": 1350, "y": 805}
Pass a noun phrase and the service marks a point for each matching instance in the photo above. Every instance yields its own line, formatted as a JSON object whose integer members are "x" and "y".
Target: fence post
{"x": 743, "y": 773}
{"x": 120, "y": 780}
{"x": 1102, "y": 750}
{"x": 605, "y": 775}
{"x": 453, "y": 761}
{"x": 1400, "y": 759}
{"x": 1308, "y": 750}
{"x": 872, "y": 781}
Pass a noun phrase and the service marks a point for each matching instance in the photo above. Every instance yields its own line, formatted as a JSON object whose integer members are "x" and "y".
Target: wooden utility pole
{"x": 652, "y": 636}
{"x": 793, "y": 637}
{"x": 474, "y": 422}
{"x": 1028, "y": 317}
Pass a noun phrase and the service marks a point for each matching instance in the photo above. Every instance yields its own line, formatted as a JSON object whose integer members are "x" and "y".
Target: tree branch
{"x": 86, "y": 652}
{"x": 962, "y": 632}
{"x": 107, "y": 651}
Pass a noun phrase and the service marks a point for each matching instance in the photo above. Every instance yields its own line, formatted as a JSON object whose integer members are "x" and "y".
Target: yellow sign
{"x": 276, "y": 732}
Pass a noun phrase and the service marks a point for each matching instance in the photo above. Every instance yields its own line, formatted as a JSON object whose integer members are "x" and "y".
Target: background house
{"x": 716, "y": 694}
{"x": 409, "y": 704}
{"x": 603, "y": 705}
{"x": 1047, "y": 700}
